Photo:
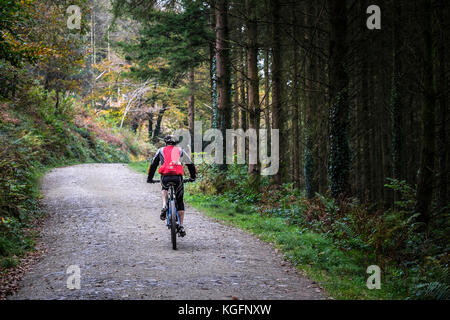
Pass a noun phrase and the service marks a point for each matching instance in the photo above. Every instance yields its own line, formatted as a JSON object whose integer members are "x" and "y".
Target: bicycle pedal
{"x": 181, "y": 234}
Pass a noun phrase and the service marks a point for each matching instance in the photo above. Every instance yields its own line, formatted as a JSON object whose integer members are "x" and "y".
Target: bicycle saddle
{"x": 171, "y": 184}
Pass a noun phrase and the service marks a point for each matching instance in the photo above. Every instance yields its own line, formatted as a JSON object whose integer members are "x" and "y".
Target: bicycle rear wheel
{"x": 173, "y": 224}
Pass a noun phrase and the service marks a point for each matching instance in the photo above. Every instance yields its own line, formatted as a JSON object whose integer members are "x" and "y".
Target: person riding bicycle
{"x": 171, "y": 158}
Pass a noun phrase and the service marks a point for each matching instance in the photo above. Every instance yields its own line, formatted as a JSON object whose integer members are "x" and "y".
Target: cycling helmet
{"x": 170, "y": 140}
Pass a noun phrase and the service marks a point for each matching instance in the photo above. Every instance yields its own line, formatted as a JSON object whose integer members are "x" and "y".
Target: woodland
{"x": 359, "y": 98}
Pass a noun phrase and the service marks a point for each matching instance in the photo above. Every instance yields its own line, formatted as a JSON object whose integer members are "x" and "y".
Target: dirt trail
{"x": 105, "y": 219}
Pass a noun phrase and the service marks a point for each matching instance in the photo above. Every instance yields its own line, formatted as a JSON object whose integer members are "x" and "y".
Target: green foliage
{"x": 36, "y": 42}
{"x": 179, "y": 36}
{"x": 433, "y": 291}
{"x": 437, "y": 287}
{"x": 8, "y": 262}
{"x": 334, "y": 239}
{"x": 13, "y": 241}
{"x": 36, "y": 136}
{"x": 12, "y": 14}
{"x": 234, "y": 184}
{"x": 42, "y": 65}
{"x": 340, "y": 272}
{"x": 407, "y": 193}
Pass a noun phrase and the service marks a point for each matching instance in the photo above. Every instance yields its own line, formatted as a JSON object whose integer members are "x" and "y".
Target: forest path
{"x": 105, "y": 219}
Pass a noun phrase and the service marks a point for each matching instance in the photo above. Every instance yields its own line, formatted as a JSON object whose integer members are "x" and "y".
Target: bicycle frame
{"x": 172, "y": 203}
{"x": 171, "y": 198}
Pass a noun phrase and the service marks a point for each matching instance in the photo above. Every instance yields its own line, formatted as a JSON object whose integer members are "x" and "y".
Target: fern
{"x": 435, "y": 290}
{"x": 432, "y": 291}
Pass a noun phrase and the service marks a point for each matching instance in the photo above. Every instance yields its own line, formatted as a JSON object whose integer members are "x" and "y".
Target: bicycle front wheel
{"x": 173, "y": 225}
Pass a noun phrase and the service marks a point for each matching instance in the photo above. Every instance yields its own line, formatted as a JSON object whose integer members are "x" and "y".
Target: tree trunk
{"x": 295, "y": 106}
{"x": 223, "y": 72}
{"x": 150, "y": 114}
{"x": 191, "y": 105}
{"x": 397, "y": 94}
{"x": 309, "y": 166}
{"x": 426, "y": 172}
{"x": 150, "y": 125}
{"x": 442, "y": 142}
{"x": 277, "y": 108}
{"x": 253, "y": 89}
{"x": 236, "y": 101}
{"x": 267, "y": 96}
{"x": 212, "y": 66}
{"x": 157, "y": 131}
{"x": 242, "y": 92}
{"x": 134, "y": 126}
{"x": 57, "y": 101}
{"x": 339, "y": 105}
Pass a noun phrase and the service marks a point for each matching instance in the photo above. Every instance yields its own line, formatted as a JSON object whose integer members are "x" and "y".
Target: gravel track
{"x": 105, "y": 219}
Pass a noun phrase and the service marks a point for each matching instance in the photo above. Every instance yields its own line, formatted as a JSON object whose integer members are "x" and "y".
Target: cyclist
{"x": 171, "y": 158}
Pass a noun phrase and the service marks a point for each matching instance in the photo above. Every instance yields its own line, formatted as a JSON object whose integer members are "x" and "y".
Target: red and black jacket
{"x": 160, "y": 159}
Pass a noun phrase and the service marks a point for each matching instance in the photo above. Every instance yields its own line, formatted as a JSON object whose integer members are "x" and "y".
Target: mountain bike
{"x": 173, "y": 219}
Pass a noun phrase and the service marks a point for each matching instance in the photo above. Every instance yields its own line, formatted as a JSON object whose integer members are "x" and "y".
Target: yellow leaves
{"x": 4, "y": 221}
{"x": 8, "y": 38}
{"x": 26, "y": 2}
{"x": 158, "y": 64}
{"x": 38, "y": 33}
{"x": 33, "y": 50}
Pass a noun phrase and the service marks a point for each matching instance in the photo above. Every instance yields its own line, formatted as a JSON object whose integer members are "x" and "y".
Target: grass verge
{"x": 342, "y": 274}
{"x": 142, "y": 167}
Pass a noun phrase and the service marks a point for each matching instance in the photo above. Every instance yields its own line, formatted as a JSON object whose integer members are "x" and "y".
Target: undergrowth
{"x": 36, "y": 136}
{"x": 335, "y": 241}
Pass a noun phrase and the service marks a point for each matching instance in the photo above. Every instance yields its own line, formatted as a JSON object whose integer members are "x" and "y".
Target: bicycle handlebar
{"x": 184, "y": 181}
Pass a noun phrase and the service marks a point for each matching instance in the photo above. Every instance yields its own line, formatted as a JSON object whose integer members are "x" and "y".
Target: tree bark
{"x": 397, "y": 94}
{"x": 277, "y": 95}
{"x": 442, "y": 139}
{"x": 339, "y": 106}
{"x": 267, "y": 120}
{"x": 253, "y": 89}
{"x": 236, "y": 101}
{"x": 242, "y": 92}
{"x": 212, "y": 66}
{"x": 191, "y": 105}
{"x": 426, "y": 172}
{"x": 223, "y": 72}
{"x": 295, "y": 107}
{"x": 157, "y": 131}
{"x": 310, "y": 156}
{"x": 150, "y": 125}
